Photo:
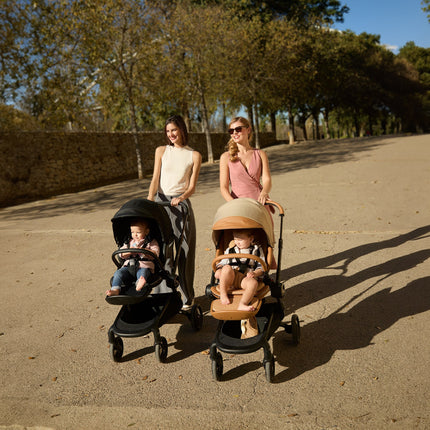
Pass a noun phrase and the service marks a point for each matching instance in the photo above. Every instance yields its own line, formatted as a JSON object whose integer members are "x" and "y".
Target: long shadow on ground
{"x": 350, "y": 327}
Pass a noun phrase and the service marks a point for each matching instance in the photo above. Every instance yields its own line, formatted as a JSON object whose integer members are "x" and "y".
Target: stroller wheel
{"x": 161, "y": 350}
{"x": 217, "y": 366}
{"x": 269, "y": 368}
{"x": 196, "y": 317}
{"x": 295, "y": 329}
{"x": 116, "y": 349}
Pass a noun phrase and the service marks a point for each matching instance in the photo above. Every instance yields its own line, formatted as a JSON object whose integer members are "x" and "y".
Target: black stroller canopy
{"x": 160, "y": 225}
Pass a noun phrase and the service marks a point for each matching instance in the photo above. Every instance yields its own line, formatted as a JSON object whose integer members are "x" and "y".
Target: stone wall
{"x": 37, "y": 165}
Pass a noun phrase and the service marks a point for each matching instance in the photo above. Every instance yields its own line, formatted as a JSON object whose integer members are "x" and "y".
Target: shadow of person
{"x": 348, "y": 256}
{"x": 311, "y": 291}
{"x": 349, "y": 330}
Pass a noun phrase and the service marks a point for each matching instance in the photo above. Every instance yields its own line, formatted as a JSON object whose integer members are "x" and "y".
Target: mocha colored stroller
{"x": 245, "y": 213}
{"x": 147, "y": 310}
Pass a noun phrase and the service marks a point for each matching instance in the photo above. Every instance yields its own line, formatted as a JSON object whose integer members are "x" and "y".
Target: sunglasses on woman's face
{"x": 237, "y": 129}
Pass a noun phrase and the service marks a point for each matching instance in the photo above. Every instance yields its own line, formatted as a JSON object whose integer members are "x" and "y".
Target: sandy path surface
{"x": 356, "y": 268}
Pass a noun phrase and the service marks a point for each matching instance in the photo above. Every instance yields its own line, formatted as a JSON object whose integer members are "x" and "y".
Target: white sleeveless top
{"x": 176, "y": 167}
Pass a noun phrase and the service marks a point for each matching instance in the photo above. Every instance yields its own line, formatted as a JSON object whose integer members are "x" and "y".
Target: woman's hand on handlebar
{"x": 176, "y": 200}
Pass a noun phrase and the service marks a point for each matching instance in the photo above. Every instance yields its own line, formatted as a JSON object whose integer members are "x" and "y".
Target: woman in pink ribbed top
{"x": 242, "y": 168}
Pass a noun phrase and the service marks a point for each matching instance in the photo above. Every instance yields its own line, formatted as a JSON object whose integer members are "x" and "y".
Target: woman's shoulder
{"x": 160, "y": 149}
{"x": 225, "y": 156}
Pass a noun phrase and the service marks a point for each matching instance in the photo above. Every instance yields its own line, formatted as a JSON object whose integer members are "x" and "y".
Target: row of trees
{"x": 128, "y": 64}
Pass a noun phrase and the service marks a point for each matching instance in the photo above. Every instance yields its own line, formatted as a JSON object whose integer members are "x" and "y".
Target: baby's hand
{"x": 250, "y": 274}
{"x": 125, "y": 255}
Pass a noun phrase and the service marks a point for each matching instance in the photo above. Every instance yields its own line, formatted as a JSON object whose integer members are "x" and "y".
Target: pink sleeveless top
{"x": 246, "y": 182}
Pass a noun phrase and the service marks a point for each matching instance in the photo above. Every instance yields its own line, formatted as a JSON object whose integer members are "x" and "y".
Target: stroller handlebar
{"x": 231, "y": 256}
{"x": 183, "y": 206}
{"x": 275, "y": 204}
{"x": 151, "y": 254}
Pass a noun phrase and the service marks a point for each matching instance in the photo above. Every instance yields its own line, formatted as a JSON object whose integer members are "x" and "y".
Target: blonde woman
{"x": 244, "y": 170}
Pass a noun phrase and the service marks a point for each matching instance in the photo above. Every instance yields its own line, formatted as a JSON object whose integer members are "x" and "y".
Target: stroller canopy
{"x": 161, "y": 228}
{"x": 242, "y": 213}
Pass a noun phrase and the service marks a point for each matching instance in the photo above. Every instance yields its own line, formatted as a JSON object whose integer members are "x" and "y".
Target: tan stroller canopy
{"x": 243, "y": 213}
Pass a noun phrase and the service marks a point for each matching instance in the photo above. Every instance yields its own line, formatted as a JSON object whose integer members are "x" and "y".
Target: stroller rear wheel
{"x": 295, "y": 329}
{"x": 196, "y": 317}
{"x": 116, "y": 349}
{"x": 217, "y": 366}
{"x": 161, "y": 350}
{"x": 269, "y": 368}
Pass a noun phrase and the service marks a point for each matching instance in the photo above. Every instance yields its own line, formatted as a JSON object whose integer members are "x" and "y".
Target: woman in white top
{"x": 176, "y": 170}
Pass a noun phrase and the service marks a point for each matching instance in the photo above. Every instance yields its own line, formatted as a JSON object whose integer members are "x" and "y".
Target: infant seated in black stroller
{"x": 146, "y": 283}
{"x": 137, "y": 267}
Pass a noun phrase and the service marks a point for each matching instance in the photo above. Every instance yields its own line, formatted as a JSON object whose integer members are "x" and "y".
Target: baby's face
{"x": 138, "y": 232}
{"x": 242, "y": 240}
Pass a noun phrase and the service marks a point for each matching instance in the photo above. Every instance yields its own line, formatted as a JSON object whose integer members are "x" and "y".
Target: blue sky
{"x": 396, "y": 21}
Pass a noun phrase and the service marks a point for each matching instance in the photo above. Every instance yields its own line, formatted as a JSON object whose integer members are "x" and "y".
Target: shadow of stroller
{"x": 352, "y": 329}
{"x": 308, "y": 292}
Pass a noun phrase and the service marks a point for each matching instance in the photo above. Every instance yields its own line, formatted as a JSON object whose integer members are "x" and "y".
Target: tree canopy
{"x": 127, "y": 64}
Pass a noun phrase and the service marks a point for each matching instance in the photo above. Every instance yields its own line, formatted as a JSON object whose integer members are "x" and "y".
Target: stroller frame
{"x": 142, "y": 313}
{"x": 269, "y": 318}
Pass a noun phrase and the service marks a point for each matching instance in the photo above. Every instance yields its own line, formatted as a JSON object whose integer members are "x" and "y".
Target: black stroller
{"x": 245, "y": 213}
{"x": 147, "y": 310}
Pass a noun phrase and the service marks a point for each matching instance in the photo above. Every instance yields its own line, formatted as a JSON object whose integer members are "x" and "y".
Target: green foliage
{"x": 127, "y": 64}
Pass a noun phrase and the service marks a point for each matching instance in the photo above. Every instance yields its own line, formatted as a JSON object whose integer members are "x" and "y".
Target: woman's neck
{"x": 243, "y": 148}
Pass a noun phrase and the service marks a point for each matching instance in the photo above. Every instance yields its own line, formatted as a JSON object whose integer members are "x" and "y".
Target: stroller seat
{"x": 242, "y": 332}
{"x": 230, "y": 311}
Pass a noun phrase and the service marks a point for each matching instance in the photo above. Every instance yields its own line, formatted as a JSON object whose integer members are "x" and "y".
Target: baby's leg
{"x": 119, "y": 278}
{"x": 226, "y": 279}
{"x": 142, "y": 276}
{"x": 114, "y": 291}
{"x": 249, "y": 285}
{"x": 140, "y": 283}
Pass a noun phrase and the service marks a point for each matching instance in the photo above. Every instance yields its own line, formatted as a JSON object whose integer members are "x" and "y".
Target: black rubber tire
{"x": 295, "y": 329}
{"x": 116, "y": 349}
{"x": 269, "y": 368}
{"x": 161, "y": 350}
{"x": 217, "y": 367}
{"x": 196, "y": 317}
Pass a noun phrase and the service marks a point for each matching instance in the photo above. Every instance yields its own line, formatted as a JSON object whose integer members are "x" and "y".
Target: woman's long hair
{"x": 231, "y": 144}
{"x": 180, "y": 123}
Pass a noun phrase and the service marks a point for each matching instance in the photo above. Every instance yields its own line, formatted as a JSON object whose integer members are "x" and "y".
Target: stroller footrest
{"x": 261, "y": 292}
{"x": 230, "y": 311}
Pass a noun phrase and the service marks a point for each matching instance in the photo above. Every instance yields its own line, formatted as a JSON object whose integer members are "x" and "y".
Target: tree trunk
{"x": 205, "y": 119}
{"x": 369, "y": 118}
{"x": 224, "y": 119}
{"x": 315, "y": 115}
{"x": 273, "y": 122}
{"x": 257, "y": 128}
{"x": 133, "y": 119}
{"x": 327, "y": 130}
{"x": 292, "y": 132}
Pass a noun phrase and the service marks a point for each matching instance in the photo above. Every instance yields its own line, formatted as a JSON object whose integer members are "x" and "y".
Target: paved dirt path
{"x": 356, "y": 264}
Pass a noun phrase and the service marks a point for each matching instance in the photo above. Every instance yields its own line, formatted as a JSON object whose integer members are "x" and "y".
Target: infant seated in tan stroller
{"x": 244, "y": 298}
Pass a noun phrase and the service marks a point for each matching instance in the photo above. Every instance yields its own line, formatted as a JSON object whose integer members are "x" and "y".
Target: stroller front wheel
{"x": 269, "y": 368}
{"x": 217, "y": 366}
{"x": 196, "y": 317}
{"x": 161, "y": 350}
{"x": 116, "y": 349}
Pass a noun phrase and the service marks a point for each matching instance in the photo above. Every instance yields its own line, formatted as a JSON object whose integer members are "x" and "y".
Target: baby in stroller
{"x": 240, "y": 273}
{"x": 247, "y": 322}
{"x": 129, "y": 272}
{"x": 149, "y": 298}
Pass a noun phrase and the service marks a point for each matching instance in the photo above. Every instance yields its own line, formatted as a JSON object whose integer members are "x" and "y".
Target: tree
{"x": 194, "y": 44}
{"x": 117, "y": 42}
{"x": 426, "y": 7}
{"x": 13, "y": 49}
